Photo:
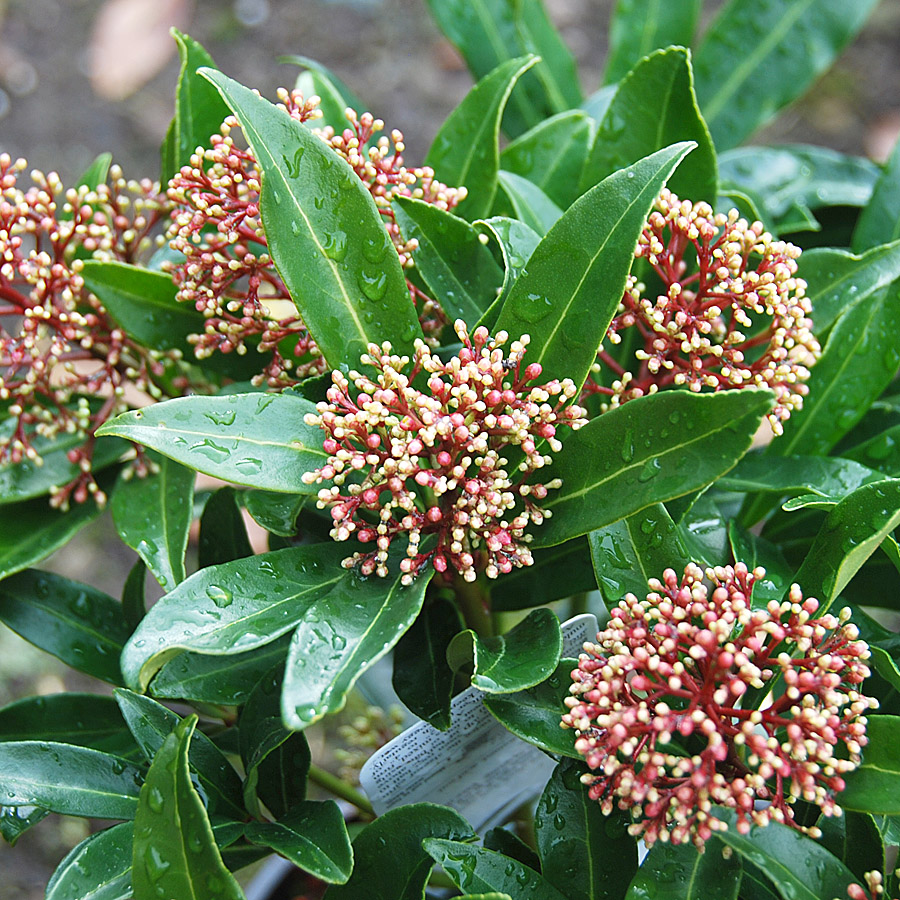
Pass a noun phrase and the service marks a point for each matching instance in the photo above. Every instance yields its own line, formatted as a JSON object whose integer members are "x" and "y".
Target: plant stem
{"x": 340, "y": 789}
{"x": 474, "y": 605}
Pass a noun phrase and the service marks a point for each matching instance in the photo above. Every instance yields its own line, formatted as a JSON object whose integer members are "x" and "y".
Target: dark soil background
{"x": 62, "y": 63}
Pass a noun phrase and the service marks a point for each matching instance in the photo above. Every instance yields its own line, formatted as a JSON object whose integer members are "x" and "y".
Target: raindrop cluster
{"x": 452, "y": 458}
{"x": 729, "y": 312}
{"x": 64, "y": 363}
{"x": 660, "y": 705}
{"x": 227, "y": 272}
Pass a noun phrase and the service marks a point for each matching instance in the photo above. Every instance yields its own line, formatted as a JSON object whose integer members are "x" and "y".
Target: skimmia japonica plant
{"x": 574, "y": 364}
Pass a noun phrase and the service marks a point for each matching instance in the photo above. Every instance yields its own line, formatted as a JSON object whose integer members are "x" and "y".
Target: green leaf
{"x": 226, "y": 680}
{"x": 86, "y": 720}
{"x": 879, "y": 222}
{"x": 552, "y": 154}
{"x": 276, "y": 761}
{"x": 502, "y": 840}
{"x": 566, "y": 297}
{"x": 337, "y": 261}
{"x": 153, "y": 516}
{"x": 629, "y": 552}
{"x": 151, "y": 723}
{"x": 421, "y": 677}
{"x": 134, "y": 601}
{"x": 476, "y": 869}
{"x": 32, "y": 530}
{"x": 223, "y": 536}
{"x": 792, "y": 180}
{"x": 850, "y": 534}
{"x": 684, "y": 873}
{"x": 757, "y": 551}
{"x": 238, "y": 606}
{"x": 99, "y": 868}
{"x": 313, "y": 836}
{"x": 74, "y": 622}
{"x": 535, "y": 713}
{"x": 754, "y": 60}
{"x": 858, "y": 361}
{"x": 400, "y": 874}
{"x": 339, "y": 635}
{"x": 874, "y": 787}
{"x": 466, "y": 149}
{"x": 16, "y": 820}
{"x": 260, "y": 440}
{"x": 644, "y": 452}
{"x": 529, "y": 203}
{"x": 882, "y": 663}
{"x": 64, "y": 778}
{"x": 95, "y": 174}
{"x": 276, "y": 512}
{"x": 796, "y": 865}
{"x": 855, "y": 840}
{"x": 199, "y": 110}
{"x": 174, "y": 852}
{"x": 639, "y": 27}
{"x": 514, "y": 661}
{"x": 570, "y": 826}
{"x": 457, "y": 268}
{"x": 655, "y": 106}
{"x": 334, "y": 95}
{"x": 837, "y": 280}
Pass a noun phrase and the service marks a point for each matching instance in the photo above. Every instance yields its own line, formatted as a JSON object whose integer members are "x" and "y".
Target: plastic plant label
{"x": 475, "y": 767}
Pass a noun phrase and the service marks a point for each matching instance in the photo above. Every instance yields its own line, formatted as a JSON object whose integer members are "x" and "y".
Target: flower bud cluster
{"x": 657, "y": 705}
{"x": 875, "y": 884}
{"x": 227, "y": 272}
{"x": 364, "y": 735}
{"x": 436, "y": 461}
{"x": 58, "y": 345}
{"x": 730, "y": 311}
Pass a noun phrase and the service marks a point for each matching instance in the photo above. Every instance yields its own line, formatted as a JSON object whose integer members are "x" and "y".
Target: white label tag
{"x": 476, "y": 767}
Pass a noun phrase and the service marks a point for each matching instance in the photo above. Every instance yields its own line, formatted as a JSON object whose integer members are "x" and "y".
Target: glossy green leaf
{"x": 238, "y": 606}
{"x": 475, "y": 869}
{"x": 569, "y": 826}
{"x": 529, "y": 203}
{"x": 30, "y": 531}
{"x": 223, "y": 535}
{"x": 748, "y": 65}
{"x": 502, "y": 840}
{"x": 227, "y": 680}
{"x": 151, "y": 723}
{"x": 340, "y": 634}
{"x": 557, "y": 572}
{"x": 858, "y": 361}
{"x": 76, "y": 623}
{"x": 64, "y": 778}
{"x": 276, "y": 761}
{"x": 632, "y": 550}
{"x": 134, "y": 600}
{"x": 552, "y": 155}
{"x": 95, "y": 174}
{"x": 276, "y": 512}
{"x": 466, "y": 149}
{"x": 796, "y": 865}
{"x": 422, "y": 679}
{"x": 153, "y": 516}
{"x": 260, "y": 440}
{"x": 574, "y": 280}
{"x": 459, "y": 271}
{"x": 99, "y": 868}
{"x": 874, "y": 787}
{"x": 879, "y": 221}
{"x": 490, "y": 895}
{"x": 850, "y": 534}
{"x": 883, "y": 663}
{"x": 16, "y": 820}
{"x": 639, "y": 27}
{"x": 535, "y": 713}
{"x": 683, "y": 873}
{"x": 655, "y": 106}
{"x": 199, "y": 110}
{"x": 174, "y": 852}
{"x": 837, "y": 279}
{"x": 334, "y": 95}
{"x": 87, "y": 720}
{"x": 598, "y": 103}
{"x": 881, "y": 451}
{"x": 855, "y": 840}
{"x": 644, "y": 452}
{"x": 756, "y": 551}
{"x": 313, "y": 836}
{"x": 400, "y": 874}
{"x": 337, "y": 261}
{"x": 514, "y": 661}
{"x": 704, "y": 532}
{"x": 793, "y": 180}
